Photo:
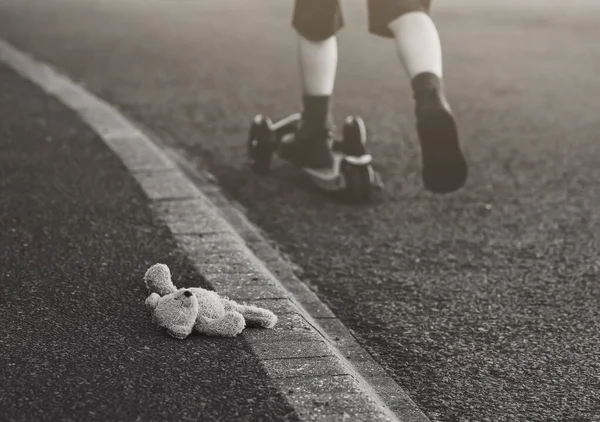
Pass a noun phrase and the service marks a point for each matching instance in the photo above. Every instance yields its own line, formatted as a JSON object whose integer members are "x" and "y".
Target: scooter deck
{"x": 331, "y": 179}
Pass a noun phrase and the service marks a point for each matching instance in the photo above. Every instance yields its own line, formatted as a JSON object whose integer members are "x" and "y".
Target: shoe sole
{"x": 444, "y": 165}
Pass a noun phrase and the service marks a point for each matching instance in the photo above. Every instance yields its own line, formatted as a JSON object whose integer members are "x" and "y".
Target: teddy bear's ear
{"x": 158, "y": 280}
{"x": 152, "y": 301}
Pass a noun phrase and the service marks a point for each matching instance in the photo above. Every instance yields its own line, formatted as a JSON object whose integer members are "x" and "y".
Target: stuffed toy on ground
{"x": 181, "y": 311}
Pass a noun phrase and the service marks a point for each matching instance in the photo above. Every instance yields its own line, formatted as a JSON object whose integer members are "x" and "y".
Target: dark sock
{"x": 311, "y": 147}
{"x": 425, "y": 83}
{"x": 316, "y": 113}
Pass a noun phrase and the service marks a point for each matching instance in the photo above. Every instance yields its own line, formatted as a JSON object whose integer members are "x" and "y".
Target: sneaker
{"x": 444, "y": 166}
{"x": 310, "y": 149}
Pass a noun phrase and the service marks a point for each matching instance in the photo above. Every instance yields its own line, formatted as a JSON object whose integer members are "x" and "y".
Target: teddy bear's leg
{"x": 180, "y": 331}
{"x": 229, "y": 325}
{"x": 257, "y": 317}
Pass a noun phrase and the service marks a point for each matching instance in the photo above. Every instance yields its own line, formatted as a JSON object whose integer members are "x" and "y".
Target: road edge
{"x": 311, "y": 357}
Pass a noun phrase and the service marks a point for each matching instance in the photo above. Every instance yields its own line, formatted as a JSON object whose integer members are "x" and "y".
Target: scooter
{"x": 352, "y": 174}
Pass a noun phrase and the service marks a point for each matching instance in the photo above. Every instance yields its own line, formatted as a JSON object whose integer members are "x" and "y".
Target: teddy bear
{"x": 180, "y": 311}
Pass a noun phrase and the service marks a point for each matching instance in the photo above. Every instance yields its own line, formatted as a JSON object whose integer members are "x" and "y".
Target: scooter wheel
{"x": 358, "y": 183}
{"x": 357, "y": 176}
{"x": 354, "y": 137}
{"x": 261, "y": 144}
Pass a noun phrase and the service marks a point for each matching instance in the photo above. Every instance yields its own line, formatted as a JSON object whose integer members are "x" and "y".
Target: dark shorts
{"x": 320, "y": 19}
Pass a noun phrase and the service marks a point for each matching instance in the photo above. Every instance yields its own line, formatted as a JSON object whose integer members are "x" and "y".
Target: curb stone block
{"x": 138, "y": 159}
{"x": 212, "y": 273}
{"x": 226, "y": 281}
{"x": 302, "y": 367}
{"x": 346, "y": 417}
{"x": 186, "y": 206}
{"x": 284, "y": 272}
{"x": 338, "y": 403}
{"x": 190, "y": 217}
{"x": 266, "y": 336}
{"x": 211, "y": 244}
{"x": 339, "y": 334}
{"x": 296, "y": 287}
{"x": 105, "y": 121}
{"x": 165, "y": 185}
{"x": 315, "y": 308}
{"x": 278, "y": 306}
{"x": 293, "y": 321}
{"x": 266, "y": 254}
{"x": 233, "y": 257}
{"x": 317, "y": 385}
{"x": 231, "y": 267}
{"x": 355, "y": 353}
{"x": 254, "y": 292}
{"x": 397, "y": 399}
{"x": 368, "y": 368}
{"x": 289, "y": 349}
{"x": 242, "y": 225}
{"x": 72, "y": 95}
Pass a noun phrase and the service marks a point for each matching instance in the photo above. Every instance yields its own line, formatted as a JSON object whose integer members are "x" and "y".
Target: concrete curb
{"x": 310, "y": 356}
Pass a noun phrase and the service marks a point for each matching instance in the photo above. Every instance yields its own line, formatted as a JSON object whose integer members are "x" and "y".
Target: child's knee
{"x": 317, "y": 20}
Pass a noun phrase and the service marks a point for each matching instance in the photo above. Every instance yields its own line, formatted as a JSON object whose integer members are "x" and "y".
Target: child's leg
{"x": 418, "y": 44}
{"x": 318, "y": 65}
{"x": 419, "y": 49}
{"x": 316, "y": 22}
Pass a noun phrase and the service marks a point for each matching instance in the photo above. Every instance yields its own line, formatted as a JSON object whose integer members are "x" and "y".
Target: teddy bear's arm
{"x": 152, "y": 301}
{"x": 255, "y": 316}
{"x": 229, "y": 325}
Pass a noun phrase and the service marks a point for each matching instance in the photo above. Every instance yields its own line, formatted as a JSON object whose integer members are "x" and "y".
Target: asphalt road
{"x": 76, "y": 342}
{"x": 483, "y": 304}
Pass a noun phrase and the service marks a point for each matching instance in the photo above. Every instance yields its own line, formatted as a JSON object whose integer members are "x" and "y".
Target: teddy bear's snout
{"x": 187, "y": 293}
